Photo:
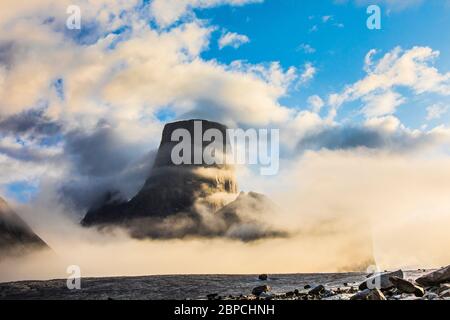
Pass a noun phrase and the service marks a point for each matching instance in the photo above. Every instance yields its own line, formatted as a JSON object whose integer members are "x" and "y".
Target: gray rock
{"x": 260, "y": 289}
{"x": 405, "y": 286}
{"x": 369, "y": 294}
{"x": 435, "y": 278}
{"x": 444, "y": 287}
{"x": 317, "y": 290}
{"x": 445, "y": 294}
{"x": 266, "y": 295}
{"x": 290, "y": 294}
{"x": 381, "y": 280}
{"x": 262, "y": 277}
{"x": 430, "y": 296}
{"x": 212, "y": 296}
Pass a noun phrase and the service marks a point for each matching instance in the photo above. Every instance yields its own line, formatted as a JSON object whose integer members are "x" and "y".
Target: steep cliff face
{"x": 16, "y": 237}
{"x": 171, "y": 189}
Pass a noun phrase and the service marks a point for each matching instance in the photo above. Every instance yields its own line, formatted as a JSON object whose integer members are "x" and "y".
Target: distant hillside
{"x": 16, "y": 237}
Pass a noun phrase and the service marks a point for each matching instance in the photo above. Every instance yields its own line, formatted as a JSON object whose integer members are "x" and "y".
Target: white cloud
{"x": 306, "y": 48}
{"x": 166, "y": 12}
{"x": 309, "y": 71}
{"x": 381, "y": 104}
{"x": 368, "y": 60}
{"x": 411, "y": 68}
{"x": 388, "y": 124}
{"x": 316, "y": 103}
{"x": 232, "y": 39}
{"x": 436, "y": 110}
{"x": 121, "y": 80}
{"x": 27, "y": 161}
{"x": 325, "y": 19}
{"x": 314, "y": 28}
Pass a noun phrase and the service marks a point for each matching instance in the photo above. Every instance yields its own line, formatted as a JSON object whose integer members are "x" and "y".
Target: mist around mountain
{"x": 188, "y": 200}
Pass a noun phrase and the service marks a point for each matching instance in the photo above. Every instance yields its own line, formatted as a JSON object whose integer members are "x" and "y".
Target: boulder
{"x": 380, "y": 280}
{"x": 317, "y": 290}
{"x": 405, "y": 286}
{"x": 257, "y": 291}
{"x": 262, "y": 277}
{"x": 435, "y": 278}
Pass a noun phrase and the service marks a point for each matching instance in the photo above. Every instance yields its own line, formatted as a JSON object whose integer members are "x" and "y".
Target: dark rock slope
{"x": 16, "y": 237}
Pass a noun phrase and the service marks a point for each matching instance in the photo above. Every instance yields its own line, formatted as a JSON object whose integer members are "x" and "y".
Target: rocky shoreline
{"x": 382, "y": 286}
{"x": 395, "y": 285}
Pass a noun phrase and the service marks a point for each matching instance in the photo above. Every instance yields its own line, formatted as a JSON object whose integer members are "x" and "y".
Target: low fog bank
{"x": 340, "y": 209}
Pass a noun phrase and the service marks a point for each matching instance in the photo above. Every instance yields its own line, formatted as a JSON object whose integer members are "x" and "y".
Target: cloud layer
{"x": 81, "y": 112}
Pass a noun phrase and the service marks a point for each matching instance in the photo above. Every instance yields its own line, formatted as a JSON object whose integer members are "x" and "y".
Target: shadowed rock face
{"x": 163, "y": 158}
{"x": 16, "y": 237}
{"x": 170, "y": 189}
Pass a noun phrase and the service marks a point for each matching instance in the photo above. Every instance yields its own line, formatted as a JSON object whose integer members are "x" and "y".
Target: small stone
{"x": 369, "y": 294}
{"x": 290, "y": 294}
{"x": 212, "y": 296}
{"x": 296, "y": 292}
{"x": 328, "y": 293}
{"x": 430, "y": 296}
{"x": 266, "y": 295}
{"x": 306, "y": 287}
{"x": 259, "y": 290}
{"x": 262, "y": 277}
{"x": 317, "y": 290}
{"x": 405, "y": 286}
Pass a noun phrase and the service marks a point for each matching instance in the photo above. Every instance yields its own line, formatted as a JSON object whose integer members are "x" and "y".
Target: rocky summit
{"x": 170, "y": 189}
{"x": 16, "y": 237}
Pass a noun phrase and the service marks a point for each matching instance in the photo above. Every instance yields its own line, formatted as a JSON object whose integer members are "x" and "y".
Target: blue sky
{"x": 276, "y": 29}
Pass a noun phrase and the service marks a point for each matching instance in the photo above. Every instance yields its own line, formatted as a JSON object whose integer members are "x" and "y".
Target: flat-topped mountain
{"x": 16, "y": 237}
{"x": 171, "y": 189}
